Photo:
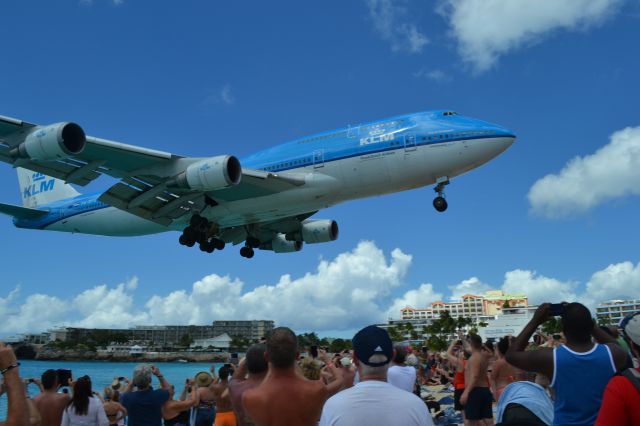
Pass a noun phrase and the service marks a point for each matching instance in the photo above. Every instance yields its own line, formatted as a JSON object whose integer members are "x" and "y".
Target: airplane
{"x": 265, "y": 200}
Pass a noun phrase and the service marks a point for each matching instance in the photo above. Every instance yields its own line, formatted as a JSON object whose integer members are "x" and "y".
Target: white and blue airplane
{"x": 265, "y": 200}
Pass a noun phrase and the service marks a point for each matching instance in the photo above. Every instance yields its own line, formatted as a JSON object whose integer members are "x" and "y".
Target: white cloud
{"x": 436, "y": 75}
{"x": 487, "y": 29}
{"x": 418, "y": 298}
{"x": 223, "y": 95}
{"x": 538, "y": 288}
{"x": 392, "y": 23}
{"x": 346, "y": 293}
{"x": 470, "y": 286}
{"x": 89, "y": 3}
{"x": 226, "y": 95}
{"x": 611, "y": 172}
{"x": 616, "y": 281}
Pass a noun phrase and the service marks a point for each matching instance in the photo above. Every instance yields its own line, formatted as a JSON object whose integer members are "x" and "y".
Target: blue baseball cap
{"x": 372, "y": 340}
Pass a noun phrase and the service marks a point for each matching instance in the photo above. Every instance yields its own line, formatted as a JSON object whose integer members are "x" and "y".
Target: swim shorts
{"x": 478, "y": 405}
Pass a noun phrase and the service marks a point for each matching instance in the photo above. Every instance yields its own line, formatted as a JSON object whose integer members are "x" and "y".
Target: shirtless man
{"x": 256, "y": 366}
{"x": 285, "y": 397}
{"x": 224, "y": 410}
{"x": 477, "y": 398}
{"x": 50, "y": 403}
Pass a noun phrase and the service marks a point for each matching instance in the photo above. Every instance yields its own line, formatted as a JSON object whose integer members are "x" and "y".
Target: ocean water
{"x": 102, "y": 373}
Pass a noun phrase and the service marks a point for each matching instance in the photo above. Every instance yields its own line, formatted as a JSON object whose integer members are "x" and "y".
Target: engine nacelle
{"x": 279, "y": 244}
{"x": 319, "y": 231}
{"x": 211, "y": 174}
{"x": 53, "y": 142}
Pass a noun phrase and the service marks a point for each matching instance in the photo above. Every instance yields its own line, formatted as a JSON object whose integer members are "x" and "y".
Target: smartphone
{"x": 557, "y": 337}
{"x": 556, "y": 309}
{"x": 63, "y": 377}
{"x": 425, "y": 350}
{"x": 234, "y": 358}
{"x": 32, "y": 381}
{"x": 314, "y": 351}
{"x": 121, "y": 379}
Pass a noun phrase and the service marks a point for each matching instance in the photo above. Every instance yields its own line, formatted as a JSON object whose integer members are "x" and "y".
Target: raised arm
{"x": 240, "y": 373}
{"x": 453, "y": 357}
{"x": 540, "y": 360}
{"x": 163, "y": 382}
{"x": 17, "y": 411}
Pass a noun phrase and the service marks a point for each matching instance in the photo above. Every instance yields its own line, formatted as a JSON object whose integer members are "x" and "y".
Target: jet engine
{"x": 53, "y": 142}
{"x": 279, "y": 244}
{"x": 319, "y": 231}
{"x": 211, "y": 174}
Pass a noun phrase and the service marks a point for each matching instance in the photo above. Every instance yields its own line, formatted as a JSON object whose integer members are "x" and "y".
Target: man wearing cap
{"x": 621, "y": 401}
{"x": 373, "y": 401}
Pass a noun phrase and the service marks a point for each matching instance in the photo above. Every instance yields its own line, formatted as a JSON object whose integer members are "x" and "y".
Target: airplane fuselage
{"x": 377, "y": 158}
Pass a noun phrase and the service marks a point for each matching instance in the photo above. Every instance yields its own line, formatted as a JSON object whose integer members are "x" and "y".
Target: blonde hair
{"x": 310, "y": 369}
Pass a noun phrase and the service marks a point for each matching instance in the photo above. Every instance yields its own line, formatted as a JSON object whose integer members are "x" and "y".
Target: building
{"x": 509, "y": 322}
{"x": 155, "y": 335}
{"x": 251, "y": 330}
{"x": 222, "y": 342}
{"x": 475, "y": 306}
{"x": 612, "y": 311}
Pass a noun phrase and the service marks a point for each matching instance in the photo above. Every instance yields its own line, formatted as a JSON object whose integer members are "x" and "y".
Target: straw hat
{"x": 203, "y": 379}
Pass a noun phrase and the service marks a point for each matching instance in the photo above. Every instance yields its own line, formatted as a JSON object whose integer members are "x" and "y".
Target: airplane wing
{"x": 99, "y": 156}
{"x": 145, "y": 188}
{"x": 151, "y": 198}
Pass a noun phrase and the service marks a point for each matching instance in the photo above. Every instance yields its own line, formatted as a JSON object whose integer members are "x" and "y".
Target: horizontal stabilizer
{"x": 21, "y": 212}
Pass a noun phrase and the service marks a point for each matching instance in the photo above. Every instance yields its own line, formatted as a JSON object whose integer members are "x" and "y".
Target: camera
{"x": 556, "y": 309}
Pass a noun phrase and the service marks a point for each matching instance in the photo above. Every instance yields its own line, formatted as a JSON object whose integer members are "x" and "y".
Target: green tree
{"x": 440, "y": 330}
{"x": 186, "y": 340}
{"x": 552, "y": 326}
{"x": 338, "y": 345}
{"x": 239, "y": 343}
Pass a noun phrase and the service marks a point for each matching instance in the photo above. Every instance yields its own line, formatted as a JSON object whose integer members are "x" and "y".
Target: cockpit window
{"x": 448, "y": 113}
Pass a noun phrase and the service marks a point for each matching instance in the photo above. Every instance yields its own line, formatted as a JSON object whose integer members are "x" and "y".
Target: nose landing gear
{"x": 439, "y": 203}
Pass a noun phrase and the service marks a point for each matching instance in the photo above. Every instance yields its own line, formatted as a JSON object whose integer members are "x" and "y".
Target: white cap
{"x": 632, "y": 329}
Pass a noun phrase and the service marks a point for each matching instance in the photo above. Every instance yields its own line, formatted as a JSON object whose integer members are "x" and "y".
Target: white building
{"x": 509, "y": 323}
{"x": 222, "y": 341}
{"x": 612, "y": 311}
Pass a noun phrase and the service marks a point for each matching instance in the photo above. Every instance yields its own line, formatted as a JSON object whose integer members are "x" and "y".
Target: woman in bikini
{"x": 502, "y": 372}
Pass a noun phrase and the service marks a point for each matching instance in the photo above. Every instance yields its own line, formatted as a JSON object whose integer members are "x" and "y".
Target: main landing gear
{"x": 250, "y": 244}
{"x": 198, "y": 232}
{"x": 439, "y": 203}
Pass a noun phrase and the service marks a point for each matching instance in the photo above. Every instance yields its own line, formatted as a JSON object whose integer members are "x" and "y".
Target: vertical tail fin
{"x": 37, "y": 189}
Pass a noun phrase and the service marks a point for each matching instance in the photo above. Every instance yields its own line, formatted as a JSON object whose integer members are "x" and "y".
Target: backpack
{"x": 633, "y": 376}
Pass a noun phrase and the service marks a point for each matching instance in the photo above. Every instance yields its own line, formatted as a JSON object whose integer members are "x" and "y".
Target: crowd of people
{"x": 585, "y": 375}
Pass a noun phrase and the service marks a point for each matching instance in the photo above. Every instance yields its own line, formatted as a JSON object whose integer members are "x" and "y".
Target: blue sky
{"x": 555, "y": 215}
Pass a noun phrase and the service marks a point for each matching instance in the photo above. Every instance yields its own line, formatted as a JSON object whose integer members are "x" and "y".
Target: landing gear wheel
{"x": 209, "y": 247}
{"x": 218, "y": 244}
{"x": 182, "y": 240}
{"x": 247, "y": 252}
{"x": 440, "y": 204}
{"x": 190, "y": 242}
